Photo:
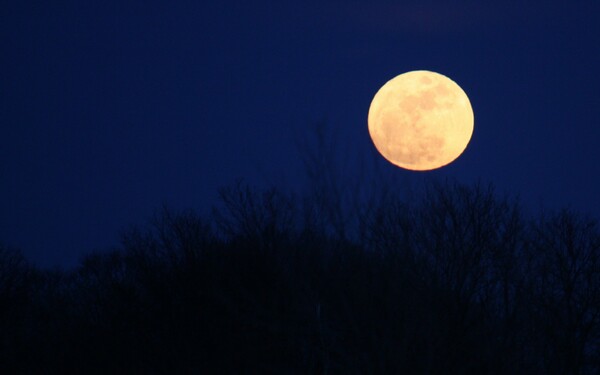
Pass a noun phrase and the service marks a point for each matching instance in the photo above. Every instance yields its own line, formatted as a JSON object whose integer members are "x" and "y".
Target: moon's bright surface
{"x": 420, "y": 120}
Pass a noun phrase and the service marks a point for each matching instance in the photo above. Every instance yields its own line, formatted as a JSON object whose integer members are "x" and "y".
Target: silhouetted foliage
{"x": 14, "y": 297}
{"x": 457, "y": 282}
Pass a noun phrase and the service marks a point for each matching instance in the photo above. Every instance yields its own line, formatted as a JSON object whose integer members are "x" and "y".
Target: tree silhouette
{"x": 458, "y": 281}
{"x": 15, "y": 278}
{"x": 564, "y": 254}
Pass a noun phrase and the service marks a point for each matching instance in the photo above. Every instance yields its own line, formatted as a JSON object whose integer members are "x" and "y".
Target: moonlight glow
{"x": 420, "y": 120}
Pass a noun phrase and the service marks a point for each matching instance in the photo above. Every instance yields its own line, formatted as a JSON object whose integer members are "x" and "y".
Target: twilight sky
{"x": 109, "y": 109}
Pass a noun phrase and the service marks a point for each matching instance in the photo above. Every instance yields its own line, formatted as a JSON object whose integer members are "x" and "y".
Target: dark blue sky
{"x": 110, "y": 109}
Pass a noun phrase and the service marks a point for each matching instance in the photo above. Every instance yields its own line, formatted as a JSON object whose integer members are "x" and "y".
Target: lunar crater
{"x": 420, "y": 120}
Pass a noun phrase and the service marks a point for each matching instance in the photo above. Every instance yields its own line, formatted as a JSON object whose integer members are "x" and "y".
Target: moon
{"x": 420, "y": 120}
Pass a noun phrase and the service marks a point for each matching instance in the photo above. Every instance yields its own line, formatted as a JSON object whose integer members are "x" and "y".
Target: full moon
{"x": 420, "y": 120}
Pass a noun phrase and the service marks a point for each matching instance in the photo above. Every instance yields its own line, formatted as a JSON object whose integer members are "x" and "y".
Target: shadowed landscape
{"x": 166, "y": 209}
{"x": 458, "y": 281}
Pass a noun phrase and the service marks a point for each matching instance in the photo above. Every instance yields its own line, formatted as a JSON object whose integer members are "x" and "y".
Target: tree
{"x": 15, "y": 291}
{"x": 564, "y": 255}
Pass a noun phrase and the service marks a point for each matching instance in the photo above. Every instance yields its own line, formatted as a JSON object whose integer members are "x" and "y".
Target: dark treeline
{"x": 458, "y": 281}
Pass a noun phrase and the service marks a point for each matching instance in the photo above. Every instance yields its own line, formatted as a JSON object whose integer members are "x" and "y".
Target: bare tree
{"x": 467, "y": 240}
{"x": 343, "y": 189}
{"x": 564, "y": 254}
{"x": 15, "y": 291}
{"x": 13, "y": 273}
{"x": 172, "y": 237}
{"x": 261, "y": 217}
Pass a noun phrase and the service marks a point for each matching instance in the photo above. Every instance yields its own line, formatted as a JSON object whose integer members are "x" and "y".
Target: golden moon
{"x": 420, "y": 120}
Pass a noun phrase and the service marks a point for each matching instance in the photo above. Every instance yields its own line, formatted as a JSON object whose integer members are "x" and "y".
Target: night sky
{"x": 109, "y": 110}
